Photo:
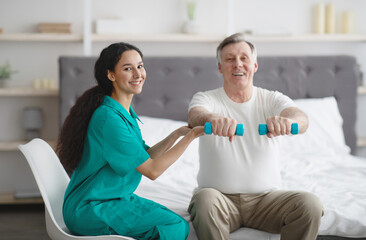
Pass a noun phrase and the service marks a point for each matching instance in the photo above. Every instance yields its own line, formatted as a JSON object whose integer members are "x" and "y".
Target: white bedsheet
{"x": 321, "y": 166}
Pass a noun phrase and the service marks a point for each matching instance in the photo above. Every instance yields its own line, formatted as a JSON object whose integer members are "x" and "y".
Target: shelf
{"x": 41, "y": 37}
{"x": 12, "y": 146}
{"x": 362, "y": 90}
{"x": 361, "y": 142}
{"x": 308, "y": 38}
{"x": 167, "y": 37}
{"x": 179, "y": 37}
{"x": 28, "y": 92}
{"x": 8, "y": 198}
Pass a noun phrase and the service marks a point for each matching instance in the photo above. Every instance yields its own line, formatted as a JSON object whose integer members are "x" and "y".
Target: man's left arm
{"x": 297, "y": 116}
{"x": 281, "y": 125}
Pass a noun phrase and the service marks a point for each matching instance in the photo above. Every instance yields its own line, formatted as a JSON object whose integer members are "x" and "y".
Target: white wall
{"x": 167, "y": 16}
{"x": 38, "y": 60}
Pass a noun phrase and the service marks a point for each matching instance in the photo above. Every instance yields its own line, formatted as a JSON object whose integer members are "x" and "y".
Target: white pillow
{"x": 325, "y": 130}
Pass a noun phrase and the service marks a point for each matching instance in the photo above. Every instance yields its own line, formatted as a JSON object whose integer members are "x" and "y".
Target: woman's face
{"x": 129, "y": 74}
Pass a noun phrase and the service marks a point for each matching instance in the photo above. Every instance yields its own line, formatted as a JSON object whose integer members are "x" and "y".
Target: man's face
{"x": 237, "y": 65}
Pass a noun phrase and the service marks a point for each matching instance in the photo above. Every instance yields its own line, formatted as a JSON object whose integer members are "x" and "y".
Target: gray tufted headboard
{"x": 172, "y": 81}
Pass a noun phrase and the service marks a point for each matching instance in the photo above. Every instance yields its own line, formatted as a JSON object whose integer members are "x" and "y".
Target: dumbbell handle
{"x": 263, "y": 130}
{"x": 239, "y": 129}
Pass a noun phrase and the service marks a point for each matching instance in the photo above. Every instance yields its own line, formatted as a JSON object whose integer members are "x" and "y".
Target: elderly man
{"x": 239, "y": 178}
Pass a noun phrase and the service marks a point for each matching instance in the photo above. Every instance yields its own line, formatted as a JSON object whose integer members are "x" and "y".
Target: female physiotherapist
{"x": 101, "y": 144}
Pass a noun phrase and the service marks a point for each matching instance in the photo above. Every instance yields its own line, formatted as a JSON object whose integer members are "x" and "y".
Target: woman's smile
{"x": 135, "y": 83}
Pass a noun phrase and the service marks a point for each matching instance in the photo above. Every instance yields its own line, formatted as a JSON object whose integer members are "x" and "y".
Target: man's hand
{"x": 278, "y": 126}
{"x": 225, "y": 127}
{"x": 221, "y": 126}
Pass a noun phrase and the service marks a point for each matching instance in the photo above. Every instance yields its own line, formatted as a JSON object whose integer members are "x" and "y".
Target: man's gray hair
{"x": 235, "y": 38}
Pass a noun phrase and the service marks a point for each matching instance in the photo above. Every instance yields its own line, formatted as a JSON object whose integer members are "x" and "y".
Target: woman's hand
{"x": 182, "y": 131}
{"x": 196, "y": 131}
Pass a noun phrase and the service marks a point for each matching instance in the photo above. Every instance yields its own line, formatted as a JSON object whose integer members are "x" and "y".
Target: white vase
{"x": 190, "y": 26}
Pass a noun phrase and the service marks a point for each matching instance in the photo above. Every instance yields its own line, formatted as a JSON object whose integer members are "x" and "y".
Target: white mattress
{"x": 316, "y": 162}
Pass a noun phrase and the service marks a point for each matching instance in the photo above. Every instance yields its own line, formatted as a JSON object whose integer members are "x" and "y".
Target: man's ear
{"x": 110, "y": 76}
{"x": 219, "y": 67}
{"x": 255, "y": 66}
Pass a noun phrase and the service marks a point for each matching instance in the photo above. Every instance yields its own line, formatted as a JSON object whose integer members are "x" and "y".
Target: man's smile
{"x": 238, "y": 74}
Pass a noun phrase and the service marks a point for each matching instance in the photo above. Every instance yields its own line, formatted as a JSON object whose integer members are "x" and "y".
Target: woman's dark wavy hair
{"x": 71, "y": 139}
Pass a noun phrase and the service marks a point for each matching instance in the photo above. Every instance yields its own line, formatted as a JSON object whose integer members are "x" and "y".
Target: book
{"x": 54, "y": 27}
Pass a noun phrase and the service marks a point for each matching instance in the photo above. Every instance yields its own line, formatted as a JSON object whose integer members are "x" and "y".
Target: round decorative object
{"x": 190, "y": 26}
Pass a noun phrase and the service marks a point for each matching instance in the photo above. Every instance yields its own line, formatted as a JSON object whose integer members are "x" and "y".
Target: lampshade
{"x": 32, "y": 118}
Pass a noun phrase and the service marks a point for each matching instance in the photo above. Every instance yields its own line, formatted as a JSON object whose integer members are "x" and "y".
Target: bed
{"x": 319, "y": 161}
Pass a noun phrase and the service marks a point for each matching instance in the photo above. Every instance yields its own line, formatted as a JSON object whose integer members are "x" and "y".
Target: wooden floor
{"x": 20, "y": 222}
{"x": 27, "y": 222}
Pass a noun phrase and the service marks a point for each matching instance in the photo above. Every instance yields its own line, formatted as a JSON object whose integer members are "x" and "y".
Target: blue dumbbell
{"x": 263, "y": 130}
{"x": 239, "y": 129}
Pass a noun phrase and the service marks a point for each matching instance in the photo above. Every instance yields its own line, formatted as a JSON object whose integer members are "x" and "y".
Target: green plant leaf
{"x": 191, "y": 7}
{"x": 6, "y": 71}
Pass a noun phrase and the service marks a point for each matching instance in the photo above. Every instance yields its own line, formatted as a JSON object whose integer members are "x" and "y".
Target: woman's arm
{"x": 161, "y": 147}
{"x": 154, "y": 167}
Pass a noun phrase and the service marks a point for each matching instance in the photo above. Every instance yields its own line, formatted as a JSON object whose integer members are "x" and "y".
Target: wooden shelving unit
{"x": 178, "y": 37}
{"x": 10, "y": 146}
{"x": 168, "y": 37}
{"x": 8, "y": 198}
{"x": 308, "y": 38}
{"x": 87, "y": 39}
{"x": 41, "y": 37}
{"x": 28, "y": 92}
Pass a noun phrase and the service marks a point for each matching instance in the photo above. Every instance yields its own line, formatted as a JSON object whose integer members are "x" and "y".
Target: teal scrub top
{"x": 113, "y": 149}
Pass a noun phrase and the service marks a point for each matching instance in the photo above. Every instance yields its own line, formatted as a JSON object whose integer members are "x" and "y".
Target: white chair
{"x": 52, "y": 181}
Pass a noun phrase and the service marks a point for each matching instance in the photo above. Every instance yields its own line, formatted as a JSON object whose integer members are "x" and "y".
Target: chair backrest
{"x": 51, "y": 178}
{"x": 52, "y": 181}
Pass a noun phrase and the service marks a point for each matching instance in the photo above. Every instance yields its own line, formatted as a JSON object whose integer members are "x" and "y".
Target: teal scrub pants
{"x": 139, "y": 218}
{"x": 161, "y": 224}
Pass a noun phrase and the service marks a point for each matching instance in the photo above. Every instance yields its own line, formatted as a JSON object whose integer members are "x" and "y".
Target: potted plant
{"x": 191, "y": 8}
{"x": 191, "y": 26}
{"x": 5, "y": 73}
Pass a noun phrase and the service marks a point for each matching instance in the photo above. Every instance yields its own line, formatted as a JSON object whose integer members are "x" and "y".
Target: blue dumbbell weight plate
{"x": 263, "y": 130}
{"x": 239, "y": 129}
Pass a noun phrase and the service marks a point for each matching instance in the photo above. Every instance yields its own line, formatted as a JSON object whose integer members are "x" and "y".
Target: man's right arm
{"x": 221, "y": 126}
{"x": 198, "y": 116}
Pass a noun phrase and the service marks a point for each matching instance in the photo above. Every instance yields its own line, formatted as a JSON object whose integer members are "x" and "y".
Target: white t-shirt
{"x": 249, "y": 164}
